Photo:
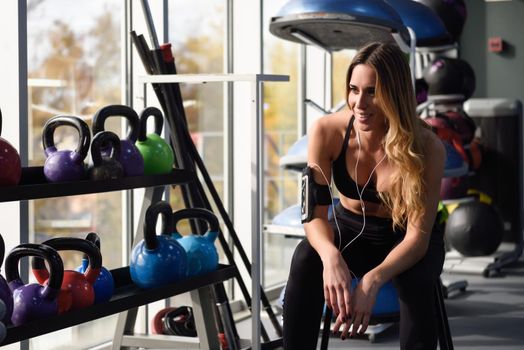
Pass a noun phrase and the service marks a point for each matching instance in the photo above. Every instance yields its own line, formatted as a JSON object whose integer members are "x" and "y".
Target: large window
{"x": 281, "y": 125}
{"x": 74, "y": 68}
{"x": 196, "y": 32}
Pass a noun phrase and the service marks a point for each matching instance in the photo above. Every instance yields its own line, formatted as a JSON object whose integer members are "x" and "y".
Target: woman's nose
{"x": 361, "y": 100}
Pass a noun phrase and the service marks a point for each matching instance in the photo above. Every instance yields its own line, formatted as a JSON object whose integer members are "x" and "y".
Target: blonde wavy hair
{"x": 403, "y": 142}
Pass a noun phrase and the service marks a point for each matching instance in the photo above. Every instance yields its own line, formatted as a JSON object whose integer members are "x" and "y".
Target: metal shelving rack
{"x": 127, "y": 296}
{"x": 255, "y": 82}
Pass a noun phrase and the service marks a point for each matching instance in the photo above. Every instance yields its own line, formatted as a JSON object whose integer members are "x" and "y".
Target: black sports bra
{"x": 345, "y": 184}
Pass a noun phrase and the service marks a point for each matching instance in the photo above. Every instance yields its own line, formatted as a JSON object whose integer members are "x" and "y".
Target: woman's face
{"x": 362, "y": 99}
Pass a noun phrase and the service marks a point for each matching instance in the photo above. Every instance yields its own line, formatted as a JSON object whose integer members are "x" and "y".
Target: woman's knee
{"x": 305, "y": 259}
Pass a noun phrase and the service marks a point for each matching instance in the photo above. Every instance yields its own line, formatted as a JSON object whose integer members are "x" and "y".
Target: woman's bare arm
{"x": 318, "y": 231}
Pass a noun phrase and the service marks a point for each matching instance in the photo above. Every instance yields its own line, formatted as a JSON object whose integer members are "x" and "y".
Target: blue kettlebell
{"x": 105, "y": 284}
{"x": 202, "y": 254}
{"x": 158, "y": 260}
{"x": 65, "y": 165}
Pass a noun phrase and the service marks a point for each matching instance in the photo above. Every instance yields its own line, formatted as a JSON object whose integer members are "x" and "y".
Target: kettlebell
{"x": 174, "y": 321}
{"x": 10, "y": 165}
{"x": 5, "y": 293}
{"x": 158, "y": 155}
{"x": 130, "y": 157}
{"x": 105, "y": 167}
{"x": 180, "y": 322}
{"x": 76, "y": 291}
{"x": 65, "y": 165}
{"x": 157, "y": 260}
{"x": 3, "y": 329}
{"x": 201, "y": 252}
{"x": 34, "y": 301}
{"x": 105, "y": 284}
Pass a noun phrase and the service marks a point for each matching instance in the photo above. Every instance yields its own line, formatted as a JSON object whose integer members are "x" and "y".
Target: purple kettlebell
{"x": 65, "y": 165}
{"x": 33, "y": 301}
{"x": 5, "y": 293}
{"x": 201, "y": 252}
{"x": 130, "y": 157}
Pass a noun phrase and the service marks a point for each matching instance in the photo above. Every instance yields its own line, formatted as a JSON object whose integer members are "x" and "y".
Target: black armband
{"x": 313, "y": 194}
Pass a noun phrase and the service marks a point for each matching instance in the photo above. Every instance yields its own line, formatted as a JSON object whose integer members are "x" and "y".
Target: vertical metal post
{"x": 229, "y": 162}
{"x": 257, "y": 182}
{"x": 127, "y": 92}
{"x": 23, "y": 145}
{"x": 202, "y": 301}
{"x": 302, "y": 91}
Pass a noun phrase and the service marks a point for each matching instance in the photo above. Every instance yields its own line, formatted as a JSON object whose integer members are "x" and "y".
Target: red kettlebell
{"x": 77, "y": 290}
{"x": 10, "y": 165}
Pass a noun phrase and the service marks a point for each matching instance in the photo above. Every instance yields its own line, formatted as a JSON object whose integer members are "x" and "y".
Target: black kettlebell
{"x": 105, "y": 166}
{"x": 180, "y": 321}
{"x": 130, "y": 157}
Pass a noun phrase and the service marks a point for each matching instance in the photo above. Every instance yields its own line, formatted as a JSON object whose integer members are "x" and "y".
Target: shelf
{"x": 127, "y": 296}
{"x": 34, "y": 185}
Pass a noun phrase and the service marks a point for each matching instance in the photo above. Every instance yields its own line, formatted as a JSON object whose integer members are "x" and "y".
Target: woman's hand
{"x": 363, "y": 300}
{"x": 336, "y": 285}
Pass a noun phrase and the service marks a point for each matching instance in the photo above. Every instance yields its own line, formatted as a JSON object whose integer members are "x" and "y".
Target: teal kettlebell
{"x": 157, "y": 153}
{"x": 202, "y": 255}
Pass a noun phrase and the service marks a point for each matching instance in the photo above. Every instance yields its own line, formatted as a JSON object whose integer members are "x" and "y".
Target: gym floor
{"x": 488, "y": 315}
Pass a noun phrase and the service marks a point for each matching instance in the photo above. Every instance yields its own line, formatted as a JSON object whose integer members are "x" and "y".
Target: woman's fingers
{"x": 345, "y": 330}
{"x": 347, "y": 300}
{"x": 357, "y": 322}
{"x": 333, "y": 300}
{"x": 338, "y": 322}
{"x": 341, "y": 293}
{"x": 365, "y": 324}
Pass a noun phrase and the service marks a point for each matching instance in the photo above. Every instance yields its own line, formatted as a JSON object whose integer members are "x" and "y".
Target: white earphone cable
{"x": 360, "y": 192}
{"x": 332, "y": 202}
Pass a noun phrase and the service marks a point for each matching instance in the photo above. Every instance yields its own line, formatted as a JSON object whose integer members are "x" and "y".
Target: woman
{"x": 384, "y": 228}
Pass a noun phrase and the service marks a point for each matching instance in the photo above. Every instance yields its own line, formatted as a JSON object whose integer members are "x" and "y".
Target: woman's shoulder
{"x": 327, "y": 133}
{"x": 330, "y": 125}
{"x": 433, "y": 144}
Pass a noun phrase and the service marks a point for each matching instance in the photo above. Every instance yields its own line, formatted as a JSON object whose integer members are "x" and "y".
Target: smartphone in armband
{"x": 312, "y": 194}
{"x": 306, "y": 213}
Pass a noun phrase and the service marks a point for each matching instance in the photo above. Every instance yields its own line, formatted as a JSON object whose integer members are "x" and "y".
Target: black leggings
{"x": 304, "y": 295}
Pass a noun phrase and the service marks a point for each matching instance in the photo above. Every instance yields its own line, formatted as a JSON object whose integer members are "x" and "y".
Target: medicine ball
{"x": 462, "y": 123}
{"x": 454, "y": 160}
{"x": 469, "y": 81}
{"x": 452, "y": 12}
{"x": 445, "y": 131}
{"x": 453, "y": 187}
{"x": 474, "y": 154}
{"x": 450, "y": 76}
{"x": 475, "y": 229}
{"x": 421, "y": 90}
{"x": 443, "y": 77}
